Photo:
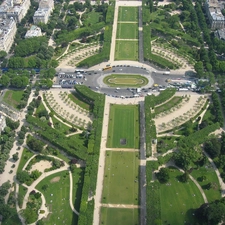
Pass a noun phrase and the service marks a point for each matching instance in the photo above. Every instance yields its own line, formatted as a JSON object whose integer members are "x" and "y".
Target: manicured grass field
{"x": 128, "y": 14}
{"x": 40, "y": 108}
{"x": 207, "y": 171}
{"x": 127, "y": 31}
{"x": 57, "y": 199}
{"x": 121, "y": 178}
{"x": 126, "y": 50}
{"x": 168, "y": 105}
{"x": 121, "y": 80}
{"x": 123, "y": 131}
{"x": 120, "y": 216}
{"x": 178, "y": 200}
{"x": 13, "y": 97}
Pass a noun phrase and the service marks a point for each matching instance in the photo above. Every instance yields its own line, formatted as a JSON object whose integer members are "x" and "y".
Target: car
{"x": 97, "y": 87}
{"x": 118, "y": 88}
{"x": 113, "y": 71}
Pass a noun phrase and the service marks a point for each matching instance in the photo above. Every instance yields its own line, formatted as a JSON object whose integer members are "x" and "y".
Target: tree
{"x": 3, "y": 54}
{"x": 4, "y": 189}
{"x": 23, "y": 176}
{"x": 212, "y": 213}
{"x": 213, "y": 147}
{"x": 15, "y": 157}
{"x": 4, "y": 80}
{"x": 184, "y": 177}
{"x": 163, "y": 175}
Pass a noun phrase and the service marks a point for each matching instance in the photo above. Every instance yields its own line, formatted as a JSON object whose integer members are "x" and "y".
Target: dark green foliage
{"x": 163, "y": 175}
{"x": 34, "y": 144}
{"x": 211, "y": 213}
{"x": 213, "y": 147}
{"x": 217, "y": 109}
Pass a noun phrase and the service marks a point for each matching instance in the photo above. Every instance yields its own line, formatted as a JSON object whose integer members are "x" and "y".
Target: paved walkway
{"x": 121, "y": 206}
{"x": 123, "y": 149}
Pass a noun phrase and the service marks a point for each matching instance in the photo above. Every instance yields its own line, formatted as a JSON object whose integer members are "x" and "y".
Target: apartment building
{"x": 216, "y": 18}
{"x": 7, "y": 33}
{"x": 2, "y": 123}
{"x": 44, "y": 11}
{"x": 16, "y": 9}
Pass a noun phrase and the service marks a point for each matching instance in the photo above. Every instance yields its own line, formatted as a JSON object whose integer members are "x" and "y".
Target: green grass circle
{"x": 124, "y": 80}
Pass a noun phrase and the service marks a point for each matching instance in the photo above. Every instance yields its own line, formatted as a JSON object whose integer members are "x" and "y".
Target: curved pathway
{"x": 192, "y": 178}
{"x": 34, "y": 184}
{"x": 222, "y": 184}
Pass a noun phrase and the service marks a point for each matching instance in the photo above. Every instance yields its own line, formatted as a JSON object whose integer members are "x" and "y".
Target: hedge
{"x": 97, "y": 101}
{"x": 68, "y": 144}
{"x": 200, "y": 136}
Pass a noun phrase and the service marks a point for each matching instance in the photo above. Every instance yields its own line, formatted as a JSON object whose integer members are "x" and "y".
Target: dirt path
{"x": 121, "y": 206}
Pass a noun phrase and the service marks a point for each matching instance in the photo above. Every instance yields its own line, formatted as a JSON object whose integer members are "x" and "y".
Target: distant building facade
{"x": 33, "y": 32}
{"x": 7, "y": 33}
{"x": 2, "y": 123}
{"x": 44, "y": 11}
{"x": 16, "y": 9}
{"x": 213, "y": 11}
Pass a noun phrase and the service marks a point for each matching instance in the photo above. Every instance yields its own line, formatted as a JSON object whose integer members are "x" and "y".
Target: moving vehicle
{"x": 107, "y": 68}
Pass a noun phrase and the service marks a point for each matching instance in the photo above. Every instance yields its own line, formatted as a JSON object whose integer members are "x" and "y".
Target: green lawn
{"x": 21, "y": 194}
{"x": 26, "y": 155}
{"x": 119, "y": 216}
{"x": 121, "y": 80}
{"x": 40, "y": 108}
{"x": 121, "y": 178}
{"x": 126, "y": 50}
{"x": 76, "y": 99}
{"x": 57, "y": 199}
{"x": 127, "y": 31}
{"x": 123, "y": 131}
{"x": 168, "y": 105}
{"x": 60, "y": 126}
{"x": 178, "y": 200}
{"x": 207, "y": 171}
{"x": 91, "y": 18}
{"x": 128, "y": 14}
{"x": 13, "y": 97}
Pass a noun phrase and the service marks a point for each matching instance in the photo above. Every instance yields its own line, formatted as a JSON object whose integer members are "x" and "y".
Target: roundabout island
{"x": 124, "y": 80}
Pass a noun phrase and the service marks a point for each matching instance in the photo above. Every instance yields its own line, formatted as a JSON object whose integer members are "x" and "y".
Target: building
{"x": 44, "y": 11}
{"x": 7, "y": 33}
{"x": 220, "y": 34}
{"x": 33, "y": 32}
{"x": 2, "y": 123}
{"x": 16, "y": 9}
{"x": 213, "y": 11}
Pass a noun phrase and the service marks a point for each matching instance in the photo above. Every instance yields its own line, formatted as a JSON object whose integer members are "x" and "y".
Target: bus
{"x": 107, "y": 68}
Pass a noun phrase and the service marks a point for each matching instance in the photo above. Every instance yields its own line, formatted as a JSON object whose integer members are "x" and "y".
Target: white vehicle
{"x": 138, "y": 90}
{"x": 118, "y": 88}
{"x": 166, "y": 73}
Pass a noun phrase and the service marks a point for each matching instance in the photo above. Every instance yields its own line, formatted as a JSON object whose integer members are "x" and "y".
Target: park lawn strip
{"x": 126, "y": 50}
{"x": 60, "y": 126}
{"x": 55, "y": 194}
{"x": 121, "y": 80}
{"x": 179, "y": 200}
{"x": 112, "y": 216}
{"x": 123, "y": 125}
{"x": 168, "y": 105}
{"x": 13, "y": 97}
{"x": 21, "y": 194}
{"x": 127, "y": 31}
{"x": 212, "y": 194}
{"x": 26, "y": 155}
{"x": 129, "y": 14}
{"x": 76, "y": 99}
{"x": 121, "y": 178}
{"x": 40, "y": 108}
